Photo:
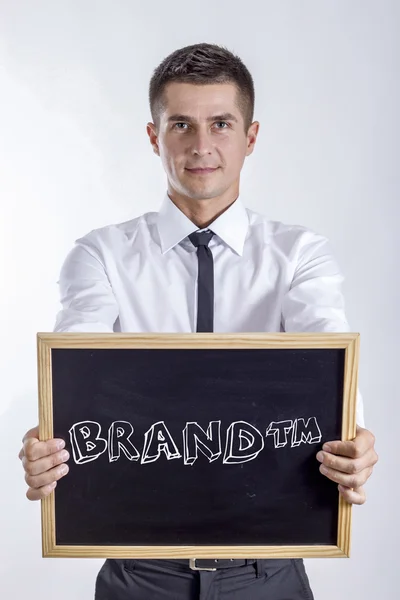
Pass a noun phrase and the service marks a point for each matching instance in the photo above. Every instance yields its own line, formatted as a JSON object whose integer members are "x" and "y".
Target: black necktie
{"x": 205, "y": 281}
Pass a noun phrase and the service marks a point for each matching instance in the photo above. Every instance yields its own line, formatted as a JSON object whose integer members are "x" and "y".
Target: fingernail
{"x": 64, "y": 455}
{"x": 53, "y": 485}
{"x": 326, "y": 447}
{"x": 323, "y": 469}
{"x": 63, "y": 469}
{"x": 60, "y": 444}
{"x": 320, "y": 456}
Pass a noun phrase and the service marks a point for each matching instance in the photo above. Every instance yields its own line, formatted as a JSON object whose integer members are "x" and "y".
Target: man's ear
{"x": 252, "y": 137}
{"x": 153, "y": 135}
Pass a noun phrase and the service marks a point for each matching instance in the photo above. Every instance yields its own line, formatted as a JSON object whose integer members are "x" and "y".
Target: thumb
{"x": 32, "y": 433}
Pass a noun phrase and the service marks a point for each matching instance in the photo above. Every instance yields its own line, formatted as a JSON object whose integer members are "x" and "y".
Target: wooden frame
{"x": 47, "y": 341}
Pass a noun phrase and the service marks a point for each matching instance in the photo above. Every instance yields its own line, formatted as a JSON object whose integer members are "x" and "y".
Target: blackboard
{"x": 184, "y": 445}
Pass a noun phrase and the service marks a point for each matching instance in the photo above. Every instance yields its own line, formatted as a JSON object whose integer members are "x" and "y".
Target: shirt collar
{"x": 174, "y": 226}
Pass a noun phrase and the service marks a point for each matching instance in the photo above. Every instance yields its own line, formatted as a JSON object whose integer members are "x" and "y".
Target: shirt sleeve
{"x": 87, "y": 299}
{"x": 314, "y": 301}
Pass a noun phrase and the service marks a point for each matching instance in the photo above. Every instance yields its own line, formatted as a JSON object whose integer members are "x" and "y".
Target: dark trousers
{"x": 271, "y": 579}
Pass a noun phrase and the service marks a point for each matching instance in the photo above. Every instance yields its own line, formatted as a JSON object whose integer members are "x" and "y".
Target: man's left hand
{"x": 350, "y": 464}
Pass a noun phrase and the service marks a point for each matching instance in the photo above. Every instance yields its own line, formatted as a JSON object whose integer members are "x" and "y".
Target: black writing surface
{"x": 196, "y": 446}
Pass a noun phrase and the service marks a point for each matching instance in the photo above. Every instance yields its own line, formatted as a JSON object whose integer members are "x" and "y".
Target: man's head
{"x": 202, "y": 103}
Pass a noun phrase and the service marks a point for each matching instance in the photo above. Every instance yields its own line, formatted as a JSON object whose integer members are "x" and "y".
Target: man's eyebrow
{"x": 223, "y": 117}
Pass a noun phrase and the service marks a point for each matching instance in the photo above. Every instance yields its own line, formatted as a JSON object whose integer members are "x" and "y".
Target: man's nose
{"x": 201, "y": 143}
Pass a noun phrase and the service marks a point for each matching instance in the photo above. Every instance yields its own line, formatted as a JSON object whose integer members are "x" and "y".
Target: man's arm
{"x": 87, "y": 299}
{"x": 315, "y": 303}
{"x": 88, "y": 305}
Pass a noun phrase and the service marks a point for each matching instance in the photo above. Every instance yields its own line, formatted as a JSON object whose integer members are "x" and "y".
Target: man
{"x": 210, "y": 264}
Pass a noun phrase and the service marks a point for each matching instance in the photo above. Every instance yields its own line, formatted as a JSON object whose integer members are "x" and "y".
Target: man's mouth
{"x": 204, "y": 171}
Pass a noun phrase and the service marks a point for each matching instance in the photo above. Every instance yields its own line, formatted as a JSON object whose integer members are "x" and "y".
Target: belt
{"x": 212, "y": 564}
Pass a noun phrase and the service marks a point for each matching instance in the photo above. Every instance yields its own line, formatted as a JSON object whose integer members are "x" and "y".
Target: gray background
{"x": 74, "y": 155}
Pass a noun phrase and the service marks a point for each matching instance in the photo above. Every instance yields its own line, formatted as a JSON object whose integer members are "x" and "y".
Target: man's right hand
{"x": 43, "y": 462}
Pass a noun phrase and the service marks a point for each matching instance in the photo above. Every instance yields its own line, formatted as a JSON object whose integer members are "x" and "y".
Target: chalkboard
{"x": 196, "y": 445}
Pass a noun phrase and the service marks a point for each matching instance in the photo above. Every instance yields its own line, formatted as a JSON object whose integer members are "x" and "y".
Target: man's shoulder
{"x": 282, "y": 232}
{"x": 122, "y": 231}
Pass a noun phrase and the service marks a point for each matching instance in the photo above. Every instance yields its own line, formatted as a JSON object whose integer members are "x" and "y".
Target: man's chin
{"x": 201, "y": 194}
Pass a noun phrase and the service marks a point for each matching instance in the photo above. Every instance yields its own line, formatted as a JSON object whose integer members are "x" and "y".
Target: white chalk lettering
{"x": 87, "y": 445}
{"x": 195, "y": 439}
{"x": 309, "y": 433}
{"x": 156, "y": 440}
{"x": 119, "y": 435}
{"x": 240, "y": 439}
{"x": 279, "y": 430}
{"x": 243, "y": 442}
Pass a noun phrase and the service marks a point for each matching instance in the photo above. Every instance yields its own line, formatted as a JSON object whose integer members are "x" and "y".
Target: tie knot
{"x": 201, "y": 238}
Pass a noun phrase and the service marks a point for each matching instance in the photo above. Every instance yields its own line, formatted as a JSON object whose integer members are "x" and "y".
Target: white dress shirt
{"x": 141, "y": 276}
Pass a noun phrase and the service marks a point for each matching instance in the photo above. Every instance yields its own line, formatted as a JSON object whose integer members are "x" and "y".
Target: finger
{"x": 32, "y": 433}
{"x": 34, "y": 449}
{"x": 39, "y": 494}
{"x": 355, "y": 448}
{"x": 348, "y": 465}
{"x": 47, "y": 478}
{"x": 356, "y": 496}
{"x": 42, "y": 465}
{"x": 351, "y": 481}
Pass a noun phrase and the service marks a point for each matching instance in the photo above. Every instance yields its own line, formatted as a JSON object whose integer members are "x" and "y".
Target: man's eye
{"x": 219, "y": 122}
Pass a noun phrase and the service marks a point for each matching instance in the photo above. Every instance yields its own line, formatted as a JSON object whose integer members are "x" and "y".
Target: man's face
{"x": 202, "y": 127}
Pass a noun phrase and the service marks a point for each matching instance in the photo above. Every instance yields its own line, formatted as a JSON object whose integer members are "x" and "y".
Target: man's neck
{"x": 202, "y": 212}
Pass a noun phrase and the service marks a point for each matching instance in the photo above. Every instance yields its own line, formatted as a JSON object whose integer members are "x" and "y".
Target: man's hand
{"x": 350, "y": 464}
{"x": 43, "y": 462}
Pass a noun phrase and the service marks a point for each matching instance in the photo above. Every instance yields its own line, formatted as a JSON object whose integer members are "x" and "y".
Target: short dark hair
{"x": 202, "y": 64}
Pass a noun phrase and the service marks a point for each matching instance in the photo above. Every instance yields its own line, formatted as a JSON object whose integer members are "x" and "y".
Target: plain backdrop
{"x": 74, "y": 155}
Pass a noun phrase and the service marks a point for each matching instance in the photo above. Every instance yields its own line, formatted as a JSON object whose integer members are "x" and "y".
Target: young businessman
{"x": 204, "y": 262}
